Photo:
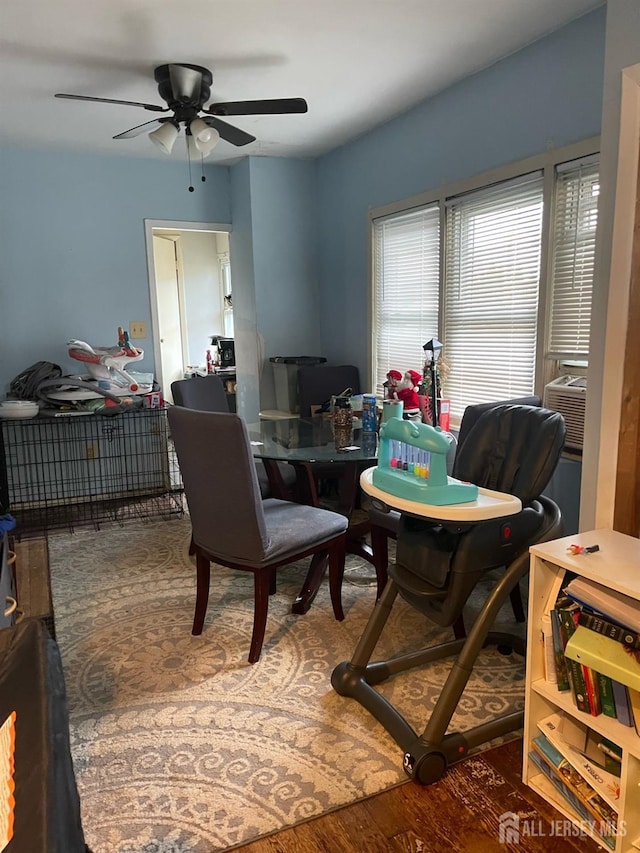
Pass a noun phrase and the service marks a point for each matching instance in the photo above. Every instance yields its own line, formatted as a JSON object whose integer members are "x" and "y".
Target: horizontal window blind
{"x": 492, "y": 273}
{"x": 406, "y": 289}
{"x": 574, "y": 226}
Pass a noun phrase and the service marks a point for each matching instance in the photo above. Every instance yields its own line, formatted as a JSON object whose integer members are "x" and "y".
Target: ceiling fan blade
{"x": 185, "y": 84}
{"x": 148, "y": 126}
{"x": 228, "y": 132}
{"x": 275, "y": 106}
{"x": 113, "y": 101}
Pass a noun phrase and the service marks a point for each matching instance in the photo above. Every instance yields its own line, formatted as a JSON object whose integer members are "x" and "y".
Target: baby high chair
{"x": 439, "y": 563}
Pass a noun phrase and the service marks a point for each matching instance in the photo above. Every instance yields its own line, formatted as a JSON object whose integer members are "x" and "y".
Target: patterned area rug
{"x": 180, "y": 745}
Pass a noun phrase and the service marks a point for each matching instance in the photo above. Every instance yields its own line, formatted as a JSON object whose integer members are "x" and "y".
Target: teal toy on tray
{"x": 412, "y": 464}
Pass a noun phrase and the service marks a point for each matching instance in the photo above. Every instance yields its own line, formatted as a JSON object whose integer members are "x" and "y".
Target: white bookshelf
{"x": 617, "y": 566}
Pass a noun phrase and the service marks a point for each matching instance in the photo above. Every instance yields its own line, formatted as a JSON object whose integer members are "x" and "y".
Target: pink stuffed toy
{"x": 407, "y": 391}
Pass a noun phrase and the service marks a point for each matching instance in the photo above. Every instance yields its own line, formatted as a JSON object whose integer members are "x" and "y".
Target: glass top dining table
{"x": 316, "y": 451}
{"x": 313, "y": 440}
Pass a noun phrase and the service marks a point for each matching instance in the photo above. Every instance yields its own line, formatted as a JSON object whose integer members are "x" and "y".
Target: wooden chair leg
{"x": 192, "y": 547}
{"x": 262, "y": 581}
{"x": 380, "y": 548}
{"x": 203, "y": 574}
{"x": 336, "y": 573}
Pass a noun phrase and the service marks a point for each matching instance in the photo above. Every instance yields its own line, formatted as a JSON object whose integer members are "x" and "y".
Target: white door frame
{"x": 149, "y": 225}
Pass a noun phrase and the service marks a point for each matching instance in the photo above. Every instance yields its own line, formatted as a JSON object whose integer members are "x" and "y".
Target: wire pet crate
{"x": 86, "y": 469}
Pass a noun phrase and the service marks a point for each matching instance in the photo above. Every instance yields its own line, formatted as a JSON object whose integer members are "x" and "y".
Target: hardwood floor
{"x": 458, "y": 814}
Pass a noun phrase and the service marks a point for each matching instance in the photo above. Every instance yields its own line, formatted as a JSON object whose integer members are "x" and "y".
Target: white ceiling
{"x": 357, "y": 63}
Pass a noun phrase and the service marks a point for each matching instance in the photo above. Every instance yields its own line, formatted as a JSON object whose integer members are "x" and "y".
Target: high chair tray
{"x": 488, "y": 504}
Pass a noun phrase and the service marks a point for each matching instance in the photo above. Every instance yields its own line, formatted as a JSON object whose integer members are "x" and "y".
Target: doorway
{"x": 190, "y": 294}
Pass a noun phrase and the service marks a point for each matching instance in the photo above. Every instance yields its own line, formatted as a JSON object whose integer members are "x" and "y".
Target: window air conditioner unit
{"x": 568, "y": 395}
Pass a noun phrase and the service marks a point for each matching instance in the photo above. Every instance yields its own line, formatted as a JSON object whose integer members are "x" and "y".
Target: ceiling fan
{"x": 186, "y": 89}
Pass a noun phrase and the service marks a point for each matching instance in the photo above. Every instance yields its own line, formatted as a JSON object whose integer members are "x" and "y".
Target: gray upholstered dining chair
{"x": 252, "y": 534}
{"x": 207, "y": 394}
{"x": 316, "y": 385}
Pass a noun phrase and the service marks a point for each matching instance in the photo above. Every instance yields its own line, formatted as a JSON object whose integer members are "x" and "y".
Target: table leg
{"x": 276, "y": 483}
{"x": 349, "y": 476}
{"x": 349, "y": 489}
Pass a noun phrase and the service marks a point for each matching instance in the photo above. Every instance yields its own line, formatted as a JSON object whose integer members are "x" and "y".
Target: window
{"x": 492, "y": 259}
{"x": 407, "y": 281}
{"x": 470, "y": 267}
{"x": 574, "y": 244}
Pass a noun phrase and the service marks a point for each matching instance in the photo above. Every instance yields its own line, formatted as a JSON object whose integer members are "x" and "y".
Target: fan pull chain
{"x": 203, "y": 179}
{"x": 191, "y": 187}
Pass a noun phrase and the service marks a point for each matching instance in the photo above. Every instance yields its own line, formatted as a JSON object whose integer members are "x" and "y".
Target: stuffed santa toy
{"x": 407, "y": 391}
{"x": 393, "y": 378}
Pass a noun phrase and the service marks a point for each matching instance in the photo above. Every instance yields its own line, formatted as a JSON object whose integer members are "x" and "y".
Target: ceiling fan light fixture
{"x": 205, "y": 137}
{"x": 165, "y": 136}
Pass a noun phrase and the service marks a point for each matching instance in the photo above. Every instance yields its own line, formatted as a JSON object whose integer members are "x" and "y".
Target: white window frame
{"x": 546, "y": 367}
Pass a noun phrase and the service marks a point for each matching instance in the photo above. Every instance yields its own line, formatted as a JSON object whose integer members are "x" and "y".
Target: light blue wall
{"x": 547, "y": 95}
{"x": 72, "y": 253}
{"x": 273, "y": 248}
{"x": 72, "y": 248}
{"x": 243, "y": 289}
{"x": 284, "y": 204}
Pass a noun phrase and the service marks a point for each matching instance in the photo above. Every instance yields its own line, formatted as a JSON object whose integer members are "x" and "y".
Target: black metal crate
{"x": 86, "y": 469}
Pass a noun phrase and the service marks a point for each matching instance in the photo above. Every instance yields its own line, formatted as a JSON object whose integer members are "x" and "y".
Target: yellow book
{"x": 605, "y": 655}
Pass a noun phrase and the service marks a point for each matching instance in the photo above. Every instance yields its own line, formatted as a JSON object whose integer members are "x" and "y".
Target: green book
{"x": 558, "y": 653}
{"x": 606, "y": 695}
{"x": 567, "y": 614}
{"x": 604, "y": 655}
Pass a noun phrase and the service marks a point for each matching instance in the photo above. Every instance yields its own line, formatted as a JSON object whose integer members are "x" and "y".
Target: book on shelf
{"x": 593, "y": 691}
{"x": 605, "y": 689}
{"x": 604, "y": 753}
{"x": 604, "y": 655}
{"x": 621, "y": 698}
{"x": 570, "y": 738}
{"x": 597, "y": 807}
{"x": 619, "y": 608}
{"x": 601, "y": 625}
{"x": 575, "y": 803}
{"x": 634, "y": 704}
{"x": 555, "y": 666}
{"x": 562, "y": 676}
{"x": 546, "y": 636}
{"x": 567, "y": 613}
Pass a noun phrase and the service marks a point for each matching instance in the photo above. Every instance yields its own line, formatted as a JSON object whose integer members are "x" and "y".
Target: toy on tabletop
{"x": 412, "y": 464}
{"x": 393, "y": 377}
{"x": 407, "y": 391}
{"x": 583, "y": 549}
